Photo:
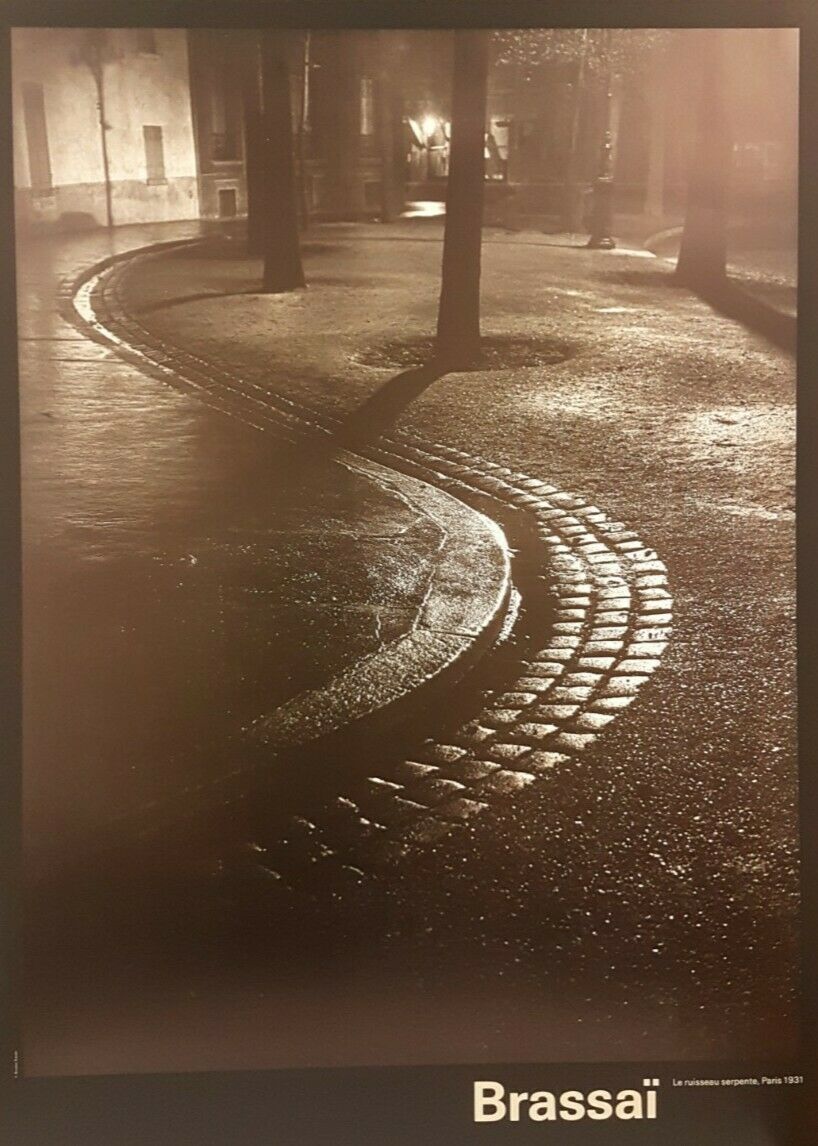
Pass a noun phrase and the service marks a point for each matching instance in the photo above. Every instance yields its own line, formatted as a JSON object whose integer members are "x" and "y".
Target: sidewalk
{"x": 185, "y": 579}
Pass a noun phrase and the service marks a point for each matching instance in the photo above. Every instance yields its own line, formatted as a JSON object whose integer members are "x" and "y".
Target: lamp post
{"x": 602, "y": 204}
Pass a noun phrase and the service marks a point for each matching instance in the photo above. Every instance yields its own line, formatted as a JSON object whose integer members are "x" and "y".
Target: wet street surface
{"x": 637, "y": 901}
{"x": 184, "y": 576}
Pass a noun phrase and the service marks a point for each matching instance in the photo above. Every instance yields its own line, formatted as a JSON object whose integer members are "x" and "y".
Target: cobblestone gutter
{"x": 612, "y": 623}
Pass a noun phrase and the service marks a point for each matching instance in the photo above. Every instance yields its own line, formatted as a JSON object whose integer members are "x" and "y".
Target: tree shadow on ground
{"x": 726, "y": 297}
{"x": 382, "y": 409}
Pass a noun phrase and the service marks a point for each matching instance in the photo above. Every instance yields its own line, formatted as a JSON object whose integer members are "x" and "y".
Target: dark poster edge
{"x": 407, "y": 1104}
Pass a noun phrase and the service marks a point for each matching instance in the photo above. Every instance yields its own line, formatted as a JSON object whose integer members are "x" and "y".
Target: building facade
{"x": 103, "y": 126}
{"x": 134, "y": 125}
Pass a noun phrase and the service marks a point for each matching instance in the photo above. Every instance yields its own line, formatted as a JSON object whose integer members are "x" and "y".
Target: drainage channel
{"x": 596, "y": 615}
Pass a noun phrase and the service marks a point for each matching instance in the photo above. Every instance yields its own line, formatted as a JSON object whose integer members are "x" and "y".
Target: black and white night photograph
{"x": 407, "y": 453}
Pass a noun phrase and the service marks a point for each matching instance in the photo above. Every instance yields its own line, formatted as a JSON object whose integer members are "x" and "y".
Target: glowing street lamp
{"x": 429, "y": 125}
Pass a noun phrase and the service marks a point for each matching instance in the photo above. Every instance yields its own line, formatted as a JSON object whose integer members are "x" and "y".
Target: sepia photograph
{"x": 407, "y": 446}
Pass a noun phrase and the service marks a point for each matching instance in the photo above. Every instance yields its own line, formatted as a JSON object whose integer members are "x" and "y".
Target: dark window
{"x": 146, "y": 41}
{"x": 154, "y": 154}
{"x": 224, "y": 133}
{"x": 227, "y": 202}
{"x": 39, "y": 160}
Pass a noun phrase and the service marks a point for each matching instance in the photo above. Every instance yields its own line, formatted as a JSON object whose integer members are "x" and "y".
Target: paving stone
{"x": 534, "y": 731}
{"x": 563, "y": 642}
{"x": 607, "y": 633}
{"x": 613, "y": 604}
{"x": 593, "y": 546}
{"x": 610, "y": 703}
{"x": 474, "y": 733}
{"x": 614, "y": 591}
{"x": 645, "y": 636}
{"x": 576, "y": 602}
{"x": 505, "y": 783}
{"x": 499, "y": 717}
{"x": 655, "y": 606}
{"x": 658, "y": 620}
{"x": 471, "y": 770}
{"x": 611, "y": 618}
{"x": 568, "y": 499}
{"x": 508, "y": 700}
{"x": 649, "y": 567}
{"x": 439, "y": 753}
{"x": 541, "y": 761}
{"x": 623, "y": 685}
{"x": 653, "y": 594}
{"x": 435, "y": 789}
{"x": 571, "y": 528}
{"x": 592, "y": 648}
{"x": 504, "y": 753}
{"x": 555, "y": 711}
{"x": 543, "y": 668}
{"x": 605, "y": 558}
{"x": 647, "y": 649}
{"x": 573, "y": 628}
{"x": 460, "y": 808}
{"x": 638, "y": 664}
{"x": 629, "y": 546}
{"x": 581, "y": 678}
{"x": 592, "y": 721}
{"x": 570, "y": 694}
{"x": 600, "y": 663}
{"x": 378, "y": 784}
{"x": 607, "y": 577}
{"x": 564, "y": 615}
{"x": 538, "y": 684}
{"x": 651, "y": 580}
{"x": 575, "y": 741}
{"x": 409, "y": 770}
{"x": 554, "y": 654}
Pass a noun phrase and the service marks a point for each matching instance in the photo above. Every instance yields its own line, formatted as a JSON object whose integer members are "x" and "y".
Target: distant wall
{"x": 58, "y": 159}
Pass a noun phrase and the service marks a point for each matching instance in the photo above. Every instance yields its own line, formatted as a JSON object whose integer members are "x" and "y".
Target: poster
{"x": 404, "y": 728}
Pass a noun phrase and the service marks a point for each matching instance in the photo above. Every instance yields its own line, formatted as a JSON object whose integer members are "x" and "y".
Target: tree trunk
{"x": 458, "y": 320}
{"x": 303, "y": 124}
{"x": 703, "y": 252}
{"x": 655, "y": 179}
{"x": 282, "y": 253}
{"x": 572, "y": 206}
{"x": 390, "y": 129}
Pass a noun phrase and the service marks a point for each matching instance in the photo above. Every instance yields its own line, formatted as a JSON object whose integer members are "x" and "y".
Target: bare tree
{"x": 458, "y": 320}
{"x": 282, "y": 253}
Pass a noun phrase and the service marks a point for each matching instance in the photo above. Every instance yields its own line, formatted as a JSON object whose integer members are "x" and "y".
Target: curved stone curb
{"x": 613, "y": 621}
{"x": 460, "y": 615}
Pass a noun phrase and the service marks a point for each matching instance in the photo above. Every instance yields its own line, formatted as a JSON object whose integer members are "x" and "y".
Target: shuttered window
{"x": 154, "y": 154}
